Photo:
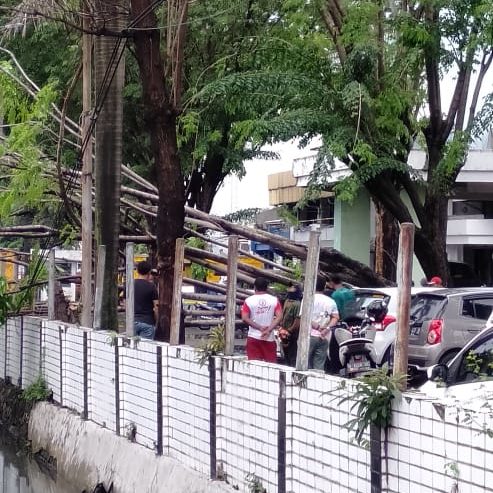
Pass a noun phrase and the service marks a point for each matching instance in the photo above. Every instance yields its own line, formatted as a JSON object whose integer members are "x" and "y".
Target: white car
{"x": 468, "y": 376}
{"x": 385, "y": 334}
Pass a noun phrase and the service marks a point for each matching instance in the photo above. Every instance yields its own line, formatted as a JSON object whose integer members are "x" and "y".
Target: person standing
{"x": 262, "y": 313}
{"x": 145, "y": 302}
{"x": 290, "y": 325}
{"x": 343, "y": 296}
{"x": 325, "y": 316}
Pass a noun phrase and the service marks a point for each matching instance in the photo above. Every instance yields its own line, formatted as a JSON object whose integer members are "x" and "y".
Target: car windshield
{"x": 426, "y": 307}
{"x": 477, "y": 362}
{"x": 363, "y": 298}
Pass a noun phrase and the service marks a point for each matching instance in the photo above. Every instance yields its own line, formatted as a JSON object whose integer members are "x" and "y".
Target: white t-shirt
{"x": 323, "y": 308}
{"x": 261, "y": 308}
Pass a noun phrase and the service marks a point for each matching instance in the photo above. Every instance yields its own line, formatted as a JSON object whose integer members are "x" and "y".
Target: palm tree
{"x": 110, "y": 77}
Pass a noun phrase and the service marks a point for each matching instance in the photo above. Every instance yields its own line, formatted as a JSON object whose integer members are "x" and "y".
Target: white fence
{"x": 233, "y": 418}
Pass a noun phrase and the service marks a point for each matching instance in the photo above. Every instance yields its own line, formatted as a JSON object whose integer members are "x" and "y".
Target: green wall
{"x": 352, "y": 227}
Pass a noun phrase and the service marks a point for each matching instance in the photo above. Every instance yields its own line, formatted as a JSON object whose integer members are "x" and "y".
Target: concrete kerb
{"x": 87, "y": 454}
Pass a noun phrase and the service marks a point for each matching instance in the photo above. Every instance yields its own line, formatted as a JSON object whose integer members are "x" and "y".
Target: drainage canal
{"x": 20, "y": 474}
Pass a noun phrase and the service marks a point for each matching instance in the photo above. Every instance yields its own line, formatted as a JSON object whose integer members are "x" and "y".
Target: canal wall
{"x": 231, "y": 422}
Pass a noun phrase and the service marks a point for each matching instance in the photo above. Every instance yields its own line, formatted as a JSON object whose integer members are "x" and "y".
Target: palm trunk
{"x": 109, "y": 152}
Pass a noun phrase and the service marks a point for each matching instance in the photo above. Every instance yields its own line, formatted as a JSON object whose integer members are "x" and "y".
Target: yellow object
{"x": 8, "y": 269}
{"x": 213, "y": 277}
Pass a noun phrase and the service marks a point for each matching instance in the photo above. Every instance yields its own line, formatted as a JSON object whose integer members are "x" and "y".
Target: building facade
{"x": 350, "y": 227}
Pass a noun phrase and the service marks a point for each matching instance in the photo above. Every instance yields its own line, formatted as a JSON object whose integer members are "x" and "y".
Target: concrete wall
{"x": 229, "y": 420}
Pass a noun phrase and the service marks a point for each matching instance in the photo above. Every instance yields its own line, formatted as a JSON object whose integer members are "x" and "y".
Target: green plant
{"x": 452, "y": 470}
{"x": 199, "y": 272}
{"x": 373, "y": 396}
{"x": 295, "y": 264}
{"x": 214, "y": 345}
{"x": 37, "y": 391}
{"x": 254, "y": 484}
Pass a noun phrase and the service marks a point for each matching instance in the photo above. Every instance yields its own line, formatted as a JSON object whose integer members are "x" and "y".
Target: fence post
{"x": 404, "y": 281}
{"x": 129, "y": 289}
{"x": 117, "y": 386}
{"x": 159, "y": 399}
{"x": 177, "y": 283}
{"x": 6, "y": 349}
{"x": 51, "y": 284}
{"x": 60, "y": 360}
{"x": 85, "y": 413}
{"x": 311, "y": 273}
{"x": 376, "y": 458}
{"x": 281, "y": 434}
{"x": 21, "y": 355}
{"x": 212, "y": 418}
{"x": 230, "y": 322}
{"x": 98, "y": 296}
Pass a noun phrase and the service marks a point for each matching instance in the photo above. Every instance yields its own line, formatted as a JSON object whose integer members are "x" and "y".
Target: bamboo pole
{"x": 248, "y": 269}
{"x": 243, "y": 253}
{"x": 308, "y": 296}
{"x": 212, "y": 286}
{"x": 404, "y": 281}
{"x": 177, "y": 295}
{"x": 221, "y": 269}
{"x": 231, "y": 295}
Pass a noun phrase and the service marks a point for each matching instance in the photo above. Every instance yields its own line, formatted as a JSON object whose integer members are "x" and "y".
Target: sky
{"x": 251, "y": 190}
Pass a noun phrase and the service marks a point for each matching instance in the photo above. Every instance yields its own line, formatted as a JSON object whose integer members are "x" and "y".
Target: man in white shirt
{"x": 262, "y": 312}
{"x": 325, "y": 316}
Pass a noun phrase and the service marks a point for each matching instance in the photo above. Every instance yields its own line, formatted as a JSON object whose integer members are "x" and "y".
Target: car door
{"x": 470, "y": 375}
{"x": 475, "y": 312}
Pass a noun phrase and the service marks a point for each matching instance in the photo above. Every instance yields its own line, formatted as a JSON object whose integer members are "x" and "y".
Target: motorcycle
{"x": 354, "y": 337}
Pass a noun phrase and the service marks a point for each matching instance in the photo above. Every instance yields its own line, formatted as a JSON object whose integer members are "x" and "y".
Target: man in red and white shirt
{"x": 262, "y": 312}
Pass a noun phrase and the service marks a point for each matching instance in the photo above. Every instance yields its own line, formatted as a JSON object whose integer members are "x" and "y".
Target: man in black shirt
{"x": 145, "y": 302}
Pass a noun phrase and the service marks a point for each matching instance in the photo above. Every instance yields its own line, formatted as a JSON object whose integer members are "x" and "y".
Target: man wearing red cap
{"x": 436, "y": 282}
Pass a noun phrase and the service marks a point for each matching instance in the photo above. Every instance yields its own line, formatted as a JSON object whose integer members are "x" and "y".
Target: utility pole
{"x": 86, "y": 177}
{"x": 311, "y": 273}
{"x": 404, "y": 280}
{"x": 230, "y": 325}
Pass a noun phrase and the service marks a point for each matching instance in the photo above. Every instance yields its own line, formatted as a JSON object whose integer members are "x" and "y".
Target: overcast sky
{"x": 251, "y": 190}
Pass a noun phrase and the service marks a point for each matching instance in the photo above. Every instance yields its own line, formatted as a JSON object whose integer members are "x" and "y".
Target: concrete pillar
{"x": 352, "y": 224}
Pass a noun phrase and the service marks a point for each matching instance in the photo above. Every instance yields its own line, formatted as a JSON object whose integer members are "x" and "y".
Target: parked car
{"x": 443, "y": 321}
{"x": 385, "y": 334}
{"x": 473, "y": 365}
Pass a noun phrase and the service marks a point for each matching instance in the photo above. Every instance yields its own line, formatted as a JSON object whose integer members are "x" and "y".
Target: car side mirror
{"x": 438, "y": 373}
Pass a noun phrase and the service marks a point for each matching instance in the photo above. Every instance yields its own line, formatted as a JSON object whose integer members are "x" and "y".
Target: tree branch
{"x": 485, "y": 65}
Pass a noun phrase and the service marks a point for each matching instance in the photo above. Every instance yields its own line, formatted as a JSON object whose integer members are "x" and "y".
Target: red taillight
{"x": 385, "y": 322}
{"x": 435, "y": 331}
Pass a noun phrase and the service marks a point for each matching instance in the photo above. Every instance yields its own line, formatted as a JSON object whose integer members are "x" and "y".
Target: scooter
{"x": 355, "y": 337}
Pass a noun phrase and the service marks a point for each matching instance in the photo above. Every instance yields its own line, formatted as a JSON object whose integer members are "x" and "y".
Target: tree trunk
{"x": 109, "y": 150}
{"x": 160, "y": 118}
{"x": 386, "y": 243}
{"x": 205, "y": 181}
{"x": 431, "y": 239}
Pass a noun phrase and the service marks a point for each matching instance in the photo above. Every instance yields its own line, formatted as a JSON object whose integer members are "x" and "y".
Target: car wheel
{"x": 448, "y": 357}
